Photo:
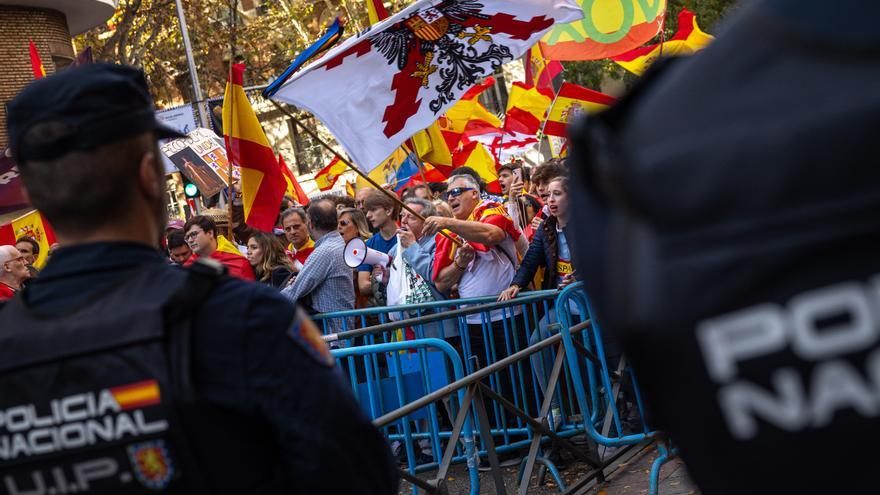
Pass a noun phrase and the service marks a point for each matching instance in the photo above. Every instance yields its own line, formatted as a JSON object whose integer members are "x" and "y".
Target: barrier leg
{"x": 461, "y": 421}
{"x": 489, "y": 442}
{"x": 612, "y": 408}
{"x": 545, "y": 409}
{"x": 665, "y": 456}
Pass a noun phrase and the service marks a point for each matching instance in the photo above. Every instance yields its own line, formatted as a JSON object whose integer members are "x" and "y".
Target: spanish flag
{"x": 540, "y": 71}
{"x": 376, "y": 11}
{"x": 31, "y": 224}
{"x": 437, "y": 143}
{"x": 526, "y": 108}
{"x": 137, "y": 395}
{"x": 229, "y": 256}
{"x": 262, "y": 183}
{"x": 467, "y": 109}
{"x": 432, "y": 147}
{"x": 688, "y": 39}
{"x": 36, "y": 62}
{"x": 571, "y": 102}
{"x": 476, "y": 156}
{"x": 294, "y": 190}
{"x": 327, "y": 176}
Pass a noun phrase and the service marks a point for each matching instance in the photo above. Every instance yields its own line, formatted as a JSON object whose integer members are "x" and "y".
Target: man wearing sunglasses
{"x": 487, "y": 259}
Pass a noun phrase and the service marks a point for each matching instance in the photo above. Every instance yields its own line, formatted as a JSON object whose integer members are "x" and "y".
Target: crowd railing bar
{"x": 591, "y": 411}
{"x": 667, "y": 453}
{"x": 473, "y": 377}
{"x": 378, "y": 310}
{"x": 430, "y": 318}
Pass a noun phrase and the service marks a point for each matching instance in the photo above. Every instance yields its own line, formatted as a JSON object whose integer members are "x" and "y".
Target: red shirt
{"x": 6, "y": 292}
{"x": 237, "y": 265}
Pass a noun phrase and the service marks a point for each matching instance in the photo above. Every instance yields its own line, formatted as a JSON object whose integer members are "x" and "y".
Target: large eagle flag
{"x": 397, "y": 77}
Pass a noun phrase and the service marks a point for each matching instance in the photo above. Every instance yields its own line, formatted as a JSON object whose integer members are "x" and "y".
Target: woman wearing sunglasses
{"x": 353, "y": 223}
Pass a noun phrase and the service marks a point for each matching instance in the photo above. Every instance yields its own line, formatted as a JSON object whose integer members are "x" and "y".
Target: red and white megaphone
{"x": 357, "y": 253}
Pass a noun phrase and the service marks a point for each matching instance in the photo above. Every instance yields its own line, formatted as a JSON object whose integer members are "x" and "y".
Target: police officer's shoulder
{"x": 257, "y": 312}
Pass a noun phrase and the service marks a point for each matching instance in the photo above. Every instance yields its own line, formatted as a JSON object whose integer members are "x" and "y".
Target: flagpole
{"x": 190, "y": 62}
{"x": 358, "y": 171}
{"x": 544, "y": 124}
{"x": 229, "y": 153}
{"x": 418, "y": 160}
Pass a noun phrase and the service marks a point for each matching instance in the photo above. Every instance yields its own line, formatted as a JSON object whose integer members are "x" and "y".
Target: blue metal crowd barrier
{"x": 507, "y": 334}
{"x": 380, "y": 399}
{"x": 393, "y": 371}
{"x": 603, "y": 385}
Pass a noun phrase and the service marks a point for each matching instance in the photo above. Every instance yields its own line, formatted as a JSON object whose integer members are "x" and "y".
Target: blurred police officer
{"x": 730, "y": 234}
{"x": 121, "y": 374}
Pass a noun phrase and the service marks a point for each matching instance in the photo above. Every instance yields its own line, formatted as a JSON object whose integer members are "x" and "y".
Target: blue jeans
{"x": 542, "y": 362}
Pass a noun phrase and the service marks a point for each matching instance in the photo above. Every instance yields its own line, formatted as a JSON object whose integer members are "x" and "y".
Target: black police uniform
{"x": 270, "y": 413}
{"x": 732, "y": 239}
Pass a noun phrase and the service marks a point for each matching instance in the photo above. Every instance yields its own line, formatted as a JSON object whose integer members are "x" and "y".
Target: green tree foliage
{"x": 146, "y": 34}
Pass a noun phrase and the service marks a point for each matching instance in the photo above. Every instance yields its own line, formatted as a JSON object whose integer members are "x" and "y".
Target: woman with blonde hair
{"x": 268, "y": 259}
{"x": 352, "y": 223}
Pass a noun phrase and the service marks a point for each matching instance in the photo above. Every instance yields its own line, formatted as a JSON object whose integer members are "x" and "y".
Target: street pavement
{"x": 629, "y": 475}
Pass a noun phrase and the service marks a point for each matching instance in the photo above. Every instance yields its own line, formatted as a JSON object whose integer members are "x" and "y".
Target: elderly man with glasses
{"x": 13, "y": 271}
{"x": 486, "y": 261}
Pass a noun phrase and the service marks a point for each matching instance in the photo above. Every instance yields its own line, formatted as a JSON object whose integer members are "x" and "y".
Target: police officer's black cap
{"x": 95, "y": 104}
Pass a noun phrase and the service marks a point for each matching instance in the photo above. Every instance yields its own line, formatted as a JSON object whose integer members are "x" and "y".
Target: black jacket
{"x": 737, "y": 193}
{"x": 271, "y": 406}
{"x": 543, "y": 252}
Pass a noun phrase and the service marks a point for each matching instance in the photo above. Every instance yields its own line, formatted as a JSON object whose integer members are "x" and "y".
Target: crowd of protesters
{"x": 504, "y": 244}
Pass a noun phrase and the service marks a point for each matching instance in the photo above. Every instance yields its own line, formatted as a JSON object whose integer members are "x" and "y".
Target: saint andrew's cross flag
{"x": 380, "y": 87}
{"x": 262, "y": 183}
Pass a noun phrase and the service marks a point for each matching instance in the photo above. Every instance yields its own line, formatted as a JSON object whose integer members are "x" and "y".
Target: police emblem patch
{"x": 151, "y": 463}
{"x": 304, "y": 331}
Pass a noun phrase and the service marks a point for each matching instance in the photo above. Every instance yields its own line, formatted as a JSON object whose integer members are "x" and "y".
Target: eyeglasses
{"x": 192, "y": 234}
{"x": 344, "y": 223}
{"x": 14, "y": 260}
{"x": 457, "y": 191}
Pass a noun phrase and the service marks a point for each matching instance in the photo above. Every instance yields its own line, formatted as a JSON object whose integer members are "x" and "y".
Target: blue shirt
{"x": 378, "y": 243}
{"x": 563, "y": 254}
